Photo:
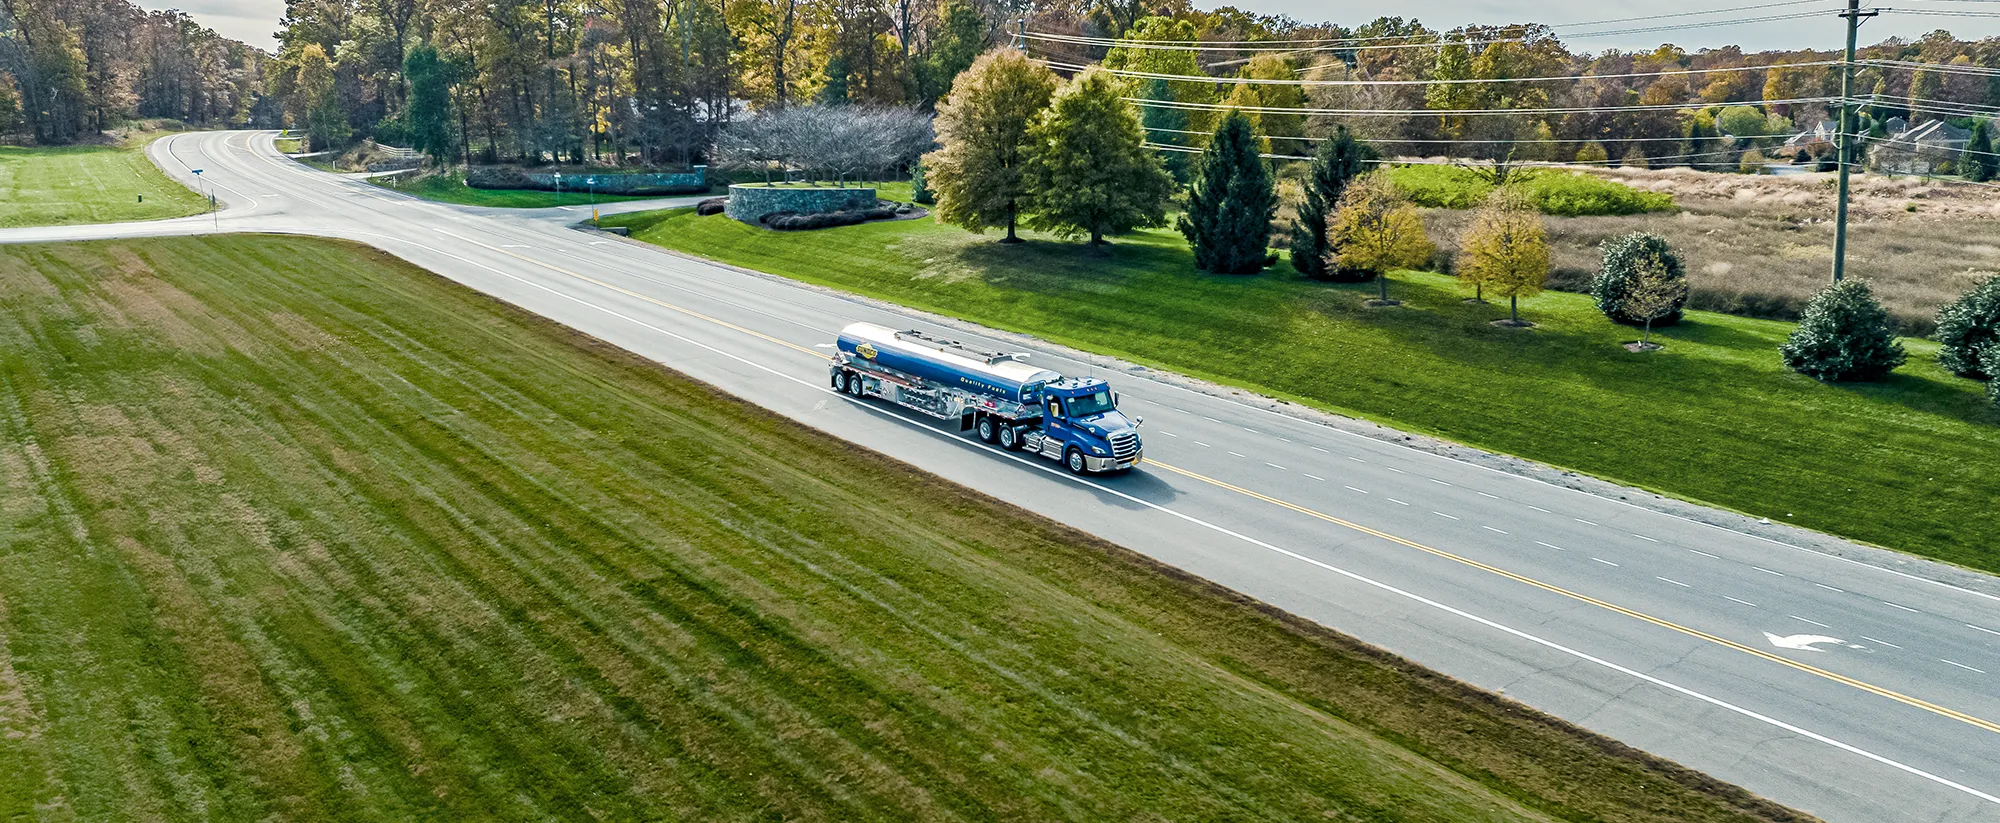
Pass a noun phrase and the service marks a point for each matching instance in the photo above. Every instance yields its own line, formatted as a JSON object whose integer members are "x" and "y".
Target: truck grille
{"x": 1124, "y": 444}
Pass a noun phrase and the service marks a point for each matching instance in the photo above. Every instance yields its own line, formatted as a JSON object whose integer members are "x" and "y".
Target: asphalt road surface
{"x": 1849, "y": 689}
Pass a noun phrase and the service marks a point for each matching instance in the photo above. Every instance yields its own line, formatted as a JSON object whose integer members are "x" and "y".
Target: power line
{"x": 1398, "y": 140}
{"x": 1176, "y": 104}
{"x": 1456, "y": 81}
{"x": 1155, "y": 45}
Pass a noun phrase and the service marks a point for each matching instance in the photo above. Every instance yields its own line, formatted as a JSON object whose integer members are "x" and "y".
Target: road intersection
{"x": 1853, "y": 690}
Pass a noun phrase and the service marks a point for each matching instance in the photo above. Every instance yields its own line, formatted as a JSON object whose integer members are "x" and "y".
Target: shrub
{"x": 1845, "y": 335}
{"x": 1568, "y": 194}
{"x": 920, "y": 191}
{"x": 1623, "y": 259}
{"x": 1560, "y": 193}
{"x": 793, "y": 221}
{"x": 1594, "y": 153}
{"x": 1993, "y": 367}
{"x": 713, "y": 205}
{"x": 1752, "y": 162}
{"x": 1968, "y": 330}
{"x": 1636, "y": 159}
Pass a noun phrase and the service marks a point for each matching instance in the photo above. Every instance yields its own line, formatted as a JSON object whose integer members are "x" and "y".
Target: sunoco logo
{"x": 866, "y": 350}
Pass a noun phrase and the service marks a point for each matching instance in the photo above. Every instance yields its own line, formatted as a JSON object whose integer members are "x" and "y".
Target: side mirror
{"x": 1115, "y": 399}
{"x": 1138, "y": 421}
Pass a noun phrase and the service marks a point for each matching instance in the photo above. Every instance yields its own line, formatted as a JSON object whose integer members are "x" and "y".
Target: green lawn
{"x": 64, "y": 185}
{"x": 452, "y": 189}
{"x": 296, "y": 531}
{"x": 1913, "y": 463}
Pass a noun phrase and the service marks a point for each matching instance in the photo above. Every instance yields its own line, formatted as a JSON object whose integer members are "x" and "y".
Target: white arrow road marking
{"x": 1802, "y": 642}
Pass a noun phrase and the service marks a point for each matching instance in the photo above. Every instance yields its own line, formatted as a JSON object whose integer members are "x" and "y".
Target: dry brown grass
{"x": 1761, "y": 246}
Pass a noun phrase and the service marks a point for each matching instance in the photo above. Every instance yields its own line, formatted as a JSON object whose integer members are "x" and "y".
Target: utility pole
{"x": 1844, "y": 141}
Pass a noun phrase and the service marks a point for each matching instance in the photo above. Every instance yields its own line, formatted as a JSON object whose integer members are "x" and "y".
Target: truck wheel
{"x": 840, "y": 381}
{"x": 1073, "y": 459}
{"x": 987, "y": 431}
{"x": 854, "y": 384}
{"x": 1010, "y": 438}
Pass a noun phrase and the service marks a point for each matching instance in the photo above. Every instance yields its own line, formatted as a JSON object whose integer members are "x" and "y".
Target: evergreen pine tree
{"x": 1338, "y": 161}
{"x": 1845, "y": 335}
{"x": 429, "y": 112}
{"x": 1228, "y": 218}
{"x": 1978, "y": 163}
{"x": 1089, "y": 171}
{"x": 1165, "y": 125}
{"x": 1623, "y": 259}
{"x": 1968, "y": 329}
{"x": 920, "y": 190}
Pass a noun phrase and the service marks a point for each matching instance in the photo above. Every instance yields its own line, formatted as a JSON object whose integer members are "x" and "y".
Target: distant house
{"x": 1925, "y": 148}
{"x": 1814, "y": 141}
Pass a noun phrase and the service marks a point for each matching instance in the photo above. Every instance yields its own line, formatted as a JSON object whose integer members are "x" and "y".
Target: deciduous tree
{"x": 1505, "y": 250}
{"x": 980, "y": 176}
{"x": 1377, "y": 231}
{"x": 1653, "y": 293}
{"x": 1089, "y": 171}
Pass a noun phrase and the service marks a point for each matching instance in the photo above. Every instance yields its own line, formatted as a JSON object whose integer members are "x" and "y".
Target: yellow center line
{"x": 1899, "y": 697}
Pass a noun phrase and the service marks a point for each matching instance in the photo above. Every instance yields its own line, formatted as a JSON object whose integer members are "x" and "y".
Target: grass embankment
{"x": 451, "y": 188}
{"x": 1913, "y": 463}
{"x": 66, "y": 185}
{"x": 296, "y": 531}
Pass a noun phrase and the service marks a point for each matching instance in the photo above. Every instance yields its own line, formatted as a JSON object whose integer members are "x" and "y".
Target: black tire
{"x": 988, "y": 431}
{"x": 840, "y": 381}
{"x": 1010, "y": 438}
{"x": 1073, "y": 460}
{"x": 854, "y": 385}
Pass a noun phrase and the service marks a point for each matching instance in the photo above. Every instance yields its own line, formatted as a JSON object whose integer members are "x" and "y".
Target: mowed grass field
{"x": 63, "y": 185}
{"x": 1912, "y": 463}
{"x": 293, "y": 531}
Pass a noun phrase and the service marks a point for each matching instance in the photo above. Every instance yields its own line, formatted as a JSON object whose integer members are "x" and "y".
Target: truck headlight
{"x": 1097, "y": 450}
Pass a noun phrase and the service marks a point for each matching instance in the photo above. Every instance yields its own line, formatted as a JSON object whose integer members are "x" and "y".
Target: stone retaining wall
{"x": 750, "y": 203}
{"x": 693, "y": 181}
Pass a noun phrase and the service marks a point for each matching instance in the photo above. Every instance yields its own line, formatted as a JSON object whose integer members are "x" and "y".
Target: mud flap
{"x": 965, "y": 421}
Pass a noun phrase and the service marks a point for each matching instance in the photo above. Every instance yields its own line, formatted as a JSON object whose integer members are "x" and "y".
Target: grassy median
{"x": 63, "y": 185}
{"x": 295, "y": 531}
{"x": 1913, "y": 463}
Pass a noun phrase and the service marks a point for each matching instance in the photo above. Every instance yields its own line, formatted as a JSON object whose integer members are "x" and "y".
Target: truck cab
{"x": 1083, "y": 428}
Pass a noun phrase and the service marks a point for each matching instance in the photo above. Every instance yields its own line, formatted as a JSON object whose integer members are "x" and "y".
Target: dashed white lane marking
{"x": 1395, "y": 501}
{"x": 1605, "y": 562}
{"x": 1203, "y": 445}
{"x": 1167, "y": 433}
{"x": 1250, "y": 430}
{"x": 1437, "y": 481}
{"x": 1901, "y": 606}
{"x": 1442, "y": 514}
{"x": 1491, "y": 529}
{"x": 1830, "y": 588}
{"x": 1583, "y": 521}
{"x": 1353, "y": 489}
{"x": 1645, "y": 538}
{"x": 1538, "y": 508}
{"x": 1883, "y": 642}
{"x": 1963, "y": 666}
{"x": 1283, "y": 439}
{"x": 1673, "y": 581}
{"x": 1357, "y": 459}
{"x": 1483, "y": 494}
{"x": 1324, "y": 451}
{"x": 1705, "y": 554}
{"x": 1744, "y": 602}
{"x": 1551, "y": 545}
{"x": 1396, "y": 470}
{"x": 1807, "y": 620}
{"x": 514, "y": 246}
{"x": 1210, "y": 419}
{"x": 1315, "y": 477}
{"x": 1240, "y": 454}
{"x": 1276, "y": 466}
{"x": 1768, "y": 571}
{"x": 1980, "y": 629}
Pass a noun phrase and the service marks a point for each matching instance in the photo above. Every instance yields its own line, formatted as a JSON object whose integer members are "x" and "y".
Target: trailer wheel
{"x": 987, "y": 430}
{"x": 840, "y": 381}
{"x": 1073, "y": 460}
{"x": 854, "y": 384}
{"x": 1010, "y": 438}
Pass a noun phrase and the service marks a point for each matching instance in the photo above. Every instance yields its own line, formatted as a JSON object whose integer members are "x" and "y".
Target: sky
{"x": 253, "y": 21}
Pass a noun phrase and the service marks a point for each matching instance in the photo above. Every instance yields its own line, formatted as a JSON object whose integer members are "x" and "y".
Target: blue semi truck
{"x": 1074, "y": 420}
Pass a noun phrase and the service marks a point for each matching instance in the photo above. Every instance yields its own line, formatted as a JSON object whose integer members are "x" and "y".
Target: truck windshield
{"x": 1089, "y": 404}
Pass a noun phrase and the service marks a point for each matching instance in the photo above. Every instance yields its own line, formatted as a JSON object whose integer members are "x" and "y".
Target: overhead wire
{"x": 1332, "y": 112}
{"x": 1264, "y": 81}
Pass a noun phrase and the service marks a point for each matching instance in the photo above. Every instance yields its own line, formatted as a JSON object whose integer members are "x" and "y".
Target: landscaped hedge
{"x": 1561, "y": 193}
{"x": 792, "y": 221}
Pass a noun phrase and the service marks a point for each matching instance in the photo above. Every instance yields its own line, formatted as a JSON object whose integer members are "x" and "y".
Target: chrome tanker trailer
{"x": 1073, "y": 420}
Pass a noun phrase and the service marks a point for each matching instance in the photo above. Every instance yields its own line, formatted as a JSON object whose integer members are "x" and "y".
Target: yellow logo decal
{"x": 866, "y": 350}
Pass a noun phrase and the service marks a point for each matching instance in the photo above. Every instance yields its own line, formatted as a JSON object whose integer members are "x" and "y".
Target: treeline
{"x": 615, "y": 81}
{"x": 72, "y": 68}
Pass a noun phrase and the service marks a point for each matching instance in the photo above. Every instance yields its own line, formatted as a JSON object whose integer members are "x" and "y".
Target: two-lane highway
{"x": 1854, "y": 690}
